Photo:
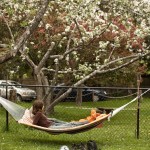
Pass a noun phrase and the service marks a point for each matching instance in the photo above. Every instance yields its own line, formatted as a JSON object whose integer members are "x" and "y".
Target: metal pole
{"x": 138, "y": 105}
{"x": 7, "y": 115}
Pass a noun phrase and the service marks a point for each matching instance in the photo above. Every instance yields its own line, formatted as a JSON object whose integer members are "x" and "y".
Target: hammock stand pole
{"x": 7, "y": 115}
{"x": 138, "y": 105}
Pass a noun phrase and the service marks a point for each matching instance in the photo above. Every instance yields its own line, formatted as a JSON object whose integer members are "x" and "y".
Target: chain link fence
{"x": 132, "y": 121}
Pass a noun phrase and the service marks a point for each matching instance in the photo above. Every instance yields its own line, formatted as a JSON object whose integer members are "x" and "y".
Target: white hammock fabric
{"x": 14, "y": 109}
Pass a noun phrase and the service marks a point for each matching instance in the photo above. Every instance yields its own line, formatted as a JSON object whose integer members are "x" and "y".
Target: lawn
{"x": 117, "y": 134}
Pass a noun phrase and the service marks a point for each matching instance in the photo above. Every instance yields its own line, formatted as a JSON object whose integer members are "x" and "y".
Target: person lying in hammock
{"x": 35, "y": 116}
{"x": 41, "y": 120}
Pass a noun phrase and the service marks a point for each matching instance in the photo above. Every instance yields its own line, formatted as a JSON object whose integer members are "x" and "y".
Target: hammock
{"x": 70, "y": 130}
{"x": 17, "y": 112}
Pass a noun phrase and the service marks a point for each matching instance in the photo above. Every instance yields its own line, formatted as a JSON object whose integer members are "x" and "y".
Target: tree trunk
{"x": 79, "y": 97}
{"x": 42, "y": 90}
{"x": 39, "y": 90}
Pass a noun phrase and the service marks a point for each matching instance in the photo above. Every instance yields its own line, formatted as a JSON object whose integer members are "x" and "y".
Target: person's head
{"x": 37, "y": 106}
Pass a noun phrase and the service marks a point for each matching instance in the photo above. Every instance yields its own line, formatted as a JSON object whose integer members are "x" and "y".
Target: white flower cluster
{"x": 17, "y": 10}
{"x": 103, "y": 45}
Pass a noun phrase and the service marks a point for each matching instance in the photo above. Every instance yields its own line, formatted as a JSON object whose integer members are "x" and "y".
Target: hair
{"x": 37, "y": 106}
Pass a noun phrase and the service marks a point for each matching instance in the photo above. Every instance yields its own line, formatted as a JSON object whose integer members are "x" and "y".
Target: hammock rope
{"x": 117, "y": 110}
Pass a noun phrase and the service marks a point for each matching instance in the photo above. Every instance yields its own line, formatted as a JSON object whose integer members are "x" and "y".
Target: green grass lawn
{"x": 117, "y": 134}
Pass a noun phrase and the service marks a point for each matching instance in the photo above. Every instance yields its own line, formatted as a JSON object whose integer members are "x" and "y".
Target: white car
{"x": 23, "y": 94}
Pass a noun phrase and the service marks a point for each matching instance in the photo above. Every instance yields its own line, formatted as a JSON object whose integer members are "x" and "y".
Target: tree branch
{"x": 44, "y": 59}
{"x": 25, "y": 36}
{"x": 79, "y": 30}
{"x": 12, "y": 37}
{"x": 135, "y": 58}
{"x": 32, "y": 27}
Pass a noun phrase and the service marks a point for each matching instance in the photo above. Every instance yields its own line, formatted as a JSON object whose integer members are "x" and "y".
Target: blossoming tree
{"x": 76, "y": 38}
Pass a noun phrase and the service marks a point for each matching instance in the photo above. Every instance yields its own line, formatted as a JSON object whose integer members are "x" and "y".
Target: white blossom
{"x": 47, "y": 26}
{"x": 67, "y": 29}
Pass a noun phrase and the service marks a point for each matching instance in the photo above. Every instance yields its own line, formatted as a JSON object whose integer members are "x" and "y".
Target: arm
{"x": 37, "y": 117}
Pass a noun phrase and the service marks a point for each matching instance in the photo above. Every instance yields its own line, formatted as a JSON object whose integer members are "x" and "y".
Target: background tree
{"x": 76, "y": 40}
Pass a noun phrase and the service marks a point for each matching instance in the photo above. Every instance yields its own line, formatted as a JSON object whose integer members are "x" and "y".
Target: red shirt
{"x": 41, "y": 120}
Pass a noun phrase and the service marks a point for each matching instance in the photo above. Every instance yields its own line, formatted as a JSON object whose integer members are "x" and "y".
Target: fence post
{"x": 7, "y": 116}
{"x": 138, "y": 105}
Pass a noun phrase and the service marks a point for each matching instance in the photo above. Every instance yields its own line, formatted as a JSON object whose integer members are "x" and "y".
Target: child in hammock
{"x": 41, "y": 120}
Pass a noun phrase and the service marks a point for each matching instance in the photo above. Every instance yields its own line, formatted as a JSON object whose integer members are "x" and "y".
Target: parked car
{"x": 87, "y": 94}
{"x": 23, "y": 93}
